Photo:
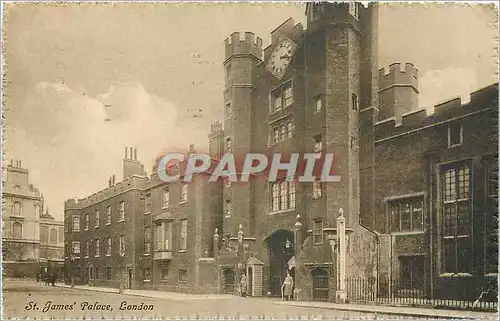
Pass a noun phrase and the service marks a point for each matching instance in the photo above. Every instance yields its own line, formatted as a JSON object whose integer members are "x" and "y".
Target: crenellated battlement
{"x": 395, "y": 75}
{"x": 480, "y": 100}
{"x": 243, "y": 44}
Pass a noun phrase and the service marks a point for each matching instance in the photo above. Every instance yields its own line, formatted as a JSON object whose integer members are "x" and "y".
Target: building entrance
{"x": 281, "y": 250}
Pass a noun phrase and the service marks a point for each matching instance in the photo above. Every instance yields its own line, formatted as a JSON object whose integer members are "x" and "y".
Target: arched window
{"x": 17, "y": 209}
{"x": 37, "y": 210}
{"x": 17, "y": 229}
{"x": 53, "y": 235}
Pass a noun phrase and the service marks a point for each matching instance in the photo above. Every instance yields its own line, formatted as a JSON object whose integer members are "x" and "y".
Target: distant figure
{"x": 287, "y": 287}
{"x": 37, "y": 277}
{"x": 243, "y": 285}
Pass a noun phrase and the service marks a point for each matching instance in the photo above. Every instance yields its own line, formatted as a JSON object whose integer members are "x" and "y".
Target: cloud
{"x": 437, "y": 86}
{"x": 72, "y": 143}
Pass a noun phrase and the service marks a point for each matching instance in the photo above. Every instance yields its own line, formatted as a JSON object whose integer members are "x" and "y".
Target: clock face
{"x": 281, "y": 57}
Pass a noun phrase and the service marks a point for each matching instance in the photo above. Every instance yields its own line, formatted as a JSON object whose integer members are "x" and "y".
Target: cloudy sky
{"x": 159, "y": 68}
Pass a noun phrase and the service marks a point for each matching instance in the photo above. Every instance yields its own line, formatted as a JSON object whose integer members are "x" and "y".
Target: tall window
{"x": 97, "y": 247}
{"x": 229, "y": 145}
{"x": 87, "y": 248}
{"x": 87, "y": 223}
{"x": 282, "y": 195}
{"x": 108, "y": 273}
{"x": 317, "y": 192}
{"x": 76, "y": 223}
{"x": 167, "y": 236}
{"x": 184, "y": 192}
{"x": 147, "y": 274}
{"x": 491, "y": 221}
{"x": 147, "y": 204}
{"x": 354, "y": 102}
{"x": 228, "y": 209}
{"x": 108, "y": 216}
{"x": 182, "y": 276}
{"x": 229, "y": 110}
{"x": 456, "y": 222}
{"x": 166, "y": 198}
{"x": 17, "y": 209}
{"x": 147, "y": 240}
{"x": 158, "y": 237}
{"x": 53, "y": 236}
{"x": 122, "y": 245}
{"x": 318, "y": 102}
{"x": 96, "y": 222}
{"x": 17, "y": 229}
{"x": 318, "y": 146}
{"x": 183, "y": 235}
{"x": 122, "y": 211}
{"x": 318, "y": 231}
{"x": 76, "y": 248}
{"x": 108, "y": 248}
{"x": 455, "y": 134}
{"x": 281, "y": 98}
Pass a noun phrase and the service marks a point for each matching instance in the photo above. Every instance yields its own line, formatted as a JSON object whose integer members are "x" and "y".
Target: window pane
{"x": 288, "y": 96}
{"x": 291, "y": 195}
{"x": 463, "y": 218}
{"x": 283, "y": 195}
{"x": 449, "y": 185}
{"x": 406, "y": 217}
{"x": 275, "y": 197}
{"x": 449, "y": 256}
{"x": 464, "y": 255}
{"x": 449, "y": 219}
{"x": 396, "y": 224}
{"x": 463, "y": 183}
{"x": 417, "y": 216}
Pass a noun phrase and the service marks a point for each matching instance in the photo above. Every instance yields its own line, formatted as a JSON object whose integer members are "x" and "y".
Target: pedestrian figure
{"x": 243, "y": 285}
{"x": 287, "y": 286}
{"x": 37, "y": 277}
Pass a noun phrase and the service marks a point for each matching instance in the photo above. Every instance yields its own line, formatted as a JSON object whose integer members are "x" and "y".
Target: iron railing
{"x": 462, "y": 294}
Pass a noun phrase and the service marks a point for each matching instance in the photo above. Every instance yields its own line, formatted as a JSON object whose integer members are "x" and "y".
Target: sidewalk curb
{"x": 387, "y": 310}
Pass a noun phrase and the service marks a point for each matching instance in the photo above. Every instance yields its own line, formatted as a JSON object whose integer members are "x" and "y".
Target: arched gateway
{"x": 281, "y": 250}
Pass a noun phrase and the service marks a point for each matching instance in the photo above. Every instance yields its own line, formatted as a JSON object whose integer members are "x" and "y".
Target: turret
{"x": 398, "y": 93}
{"x": 216, "y": 140}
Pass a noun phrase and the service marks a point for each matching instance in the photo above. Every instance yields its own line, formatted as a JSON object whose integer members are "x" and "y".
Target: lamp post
{"x": 341, "y": 258}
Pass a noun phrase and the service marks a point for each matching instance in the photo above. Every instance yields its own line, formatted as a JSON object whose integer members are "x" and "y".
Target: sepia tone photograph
{"x": 237, "y": 160}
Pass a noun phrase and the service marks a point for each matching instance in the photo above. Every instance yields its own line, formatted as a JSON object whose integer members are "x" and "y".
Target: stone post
{"x": 298, "y": 247}
{"x": 341, "y": 258}
{"x": 241, "y": 254}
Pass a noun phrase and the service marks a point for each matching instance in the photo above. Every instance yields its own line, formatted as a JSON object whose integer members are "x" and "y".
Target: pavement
{"x": 378, "y": 309}
{"x": 28, "y": 299}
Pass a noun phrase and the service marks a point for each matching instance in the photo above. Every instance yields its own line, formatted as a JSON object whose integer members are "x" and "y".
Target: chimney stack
{"x": 114, "y": 179}
{"x": 125, "y": 152}
{"x": 109, "y": 182}
{"x": 135, "y": 153}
